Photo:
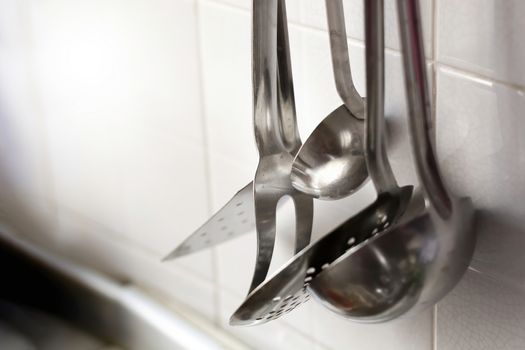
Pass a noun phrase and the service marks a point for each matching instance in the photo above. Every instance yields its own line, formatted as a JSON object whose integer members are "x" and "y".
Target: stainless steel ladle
{"x": 415, "y": 263}
{"x": 331, "y": 163}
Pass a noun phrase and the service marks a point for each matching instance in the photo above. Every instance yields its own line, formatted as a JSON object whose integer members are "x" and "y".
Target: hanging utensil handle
{"x": 264, "y": 68}
{"x": 418, "y": 101}
{"x": 376, "y": 156}
{"x": 286, "y": 100}
{"x": 341, "y": 60}
{"x": 275, "y": 122}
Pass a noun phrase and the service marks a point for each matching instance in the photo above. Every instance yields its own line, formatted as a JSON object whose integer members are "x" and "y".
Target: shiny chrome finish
{"x": 287, "y": 288}
{"x": 331, "y": 163}
{"x": 413, "y": 264}
{"x": 276, "y": 133}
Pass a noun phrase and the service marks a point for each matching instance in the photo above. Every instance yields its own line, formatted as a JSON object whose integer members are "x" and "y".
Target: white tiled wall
{"x": 124, "y": 124}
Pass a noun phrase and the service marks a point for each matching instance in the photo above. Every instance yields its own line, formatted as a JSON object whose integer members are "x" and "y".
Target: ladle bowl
{"x": 331, "y": 163}
{"x": 408, "y": 267}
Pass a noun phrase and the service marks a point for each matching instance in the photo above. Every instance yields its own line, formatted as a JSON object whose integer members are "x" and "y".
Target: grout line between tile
{"x": 478, "y": 76}
{"x": 207, "y": 160}
{"x": 226, "y": 4}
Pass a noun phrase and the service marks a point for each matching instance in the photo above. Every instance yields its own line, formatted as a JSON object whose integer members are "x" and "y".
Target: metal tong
{"x": 276, "y": 133}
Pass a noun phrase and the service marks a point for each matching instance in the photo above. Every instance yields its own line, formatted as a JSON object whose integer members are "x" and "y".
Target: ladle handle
{"x": 418, "y": 100}
{"x": 341, "y": 60}
{"x": 376, "y": 156}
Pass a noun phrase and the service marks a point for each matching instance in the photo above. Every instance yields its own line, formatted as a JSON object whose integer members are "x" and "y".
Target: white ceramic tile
{"x": 226, "y": 65}
{"x": 145, "y": 184}
{"x": 227, "y": 176}
{"x": 22, "y": 151}
{"x": 413, "y": 333}
{"x": 480, "y": 133}
{"x": 292, "y": 6}
{"x": 482, "y": 314}
{"x": 273, "y": 335}
{"x": 24, "y": 200}
{"x": 11, "y": 26}
{"x": 119, "y": 85}
{"x": 120, "y": 62}
{"x": 94, "y": 245}
{"x": 313, "y": 13}
{"x": 483, "y": 36}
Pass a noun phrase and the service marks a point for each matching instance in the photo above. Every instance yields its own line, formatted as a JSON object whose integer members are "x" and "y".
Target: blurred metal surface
{"x": 114, "y": 313}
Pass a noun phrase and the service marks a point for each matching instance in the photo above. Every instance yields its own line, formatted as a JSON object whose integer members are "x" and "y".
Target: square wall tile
{"x": 483, "y": 36}
{"x": 119, "y": 85}
{"x": 226, "y": 65}
{"x": 124, "y": 63}
{"x": 25, "y": 203}
{"x": 482, "y": 314}
{"x": 23, "y": 166}
{"x": 313, "y": 13}
{"x": 480, "y": 140}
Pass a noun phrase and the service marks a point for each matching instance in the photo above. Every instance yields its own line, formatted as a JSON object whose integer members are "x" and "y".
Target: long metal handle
{"x": 286, "y": 99}
{"x": 264, "y": 75}
{"x": 376, "y": 156}
{"x": 341, "y": 60}
{"x": 418, "y": 100}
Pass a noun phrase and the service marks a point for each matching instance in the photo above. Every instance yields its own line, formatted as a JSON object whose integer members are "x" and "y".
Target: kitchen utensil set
{"x": 400, "y": 254}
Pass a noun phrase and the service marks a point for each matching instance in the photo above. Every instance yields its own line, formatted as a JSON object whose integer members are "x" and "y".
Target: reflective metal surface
{"x": 276, "y": 133}
{"x": 331, "y": 163}
{"x": 413, "y": 264}
{"x": 287, "y": 288}
{"x": 114, "y": 312}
